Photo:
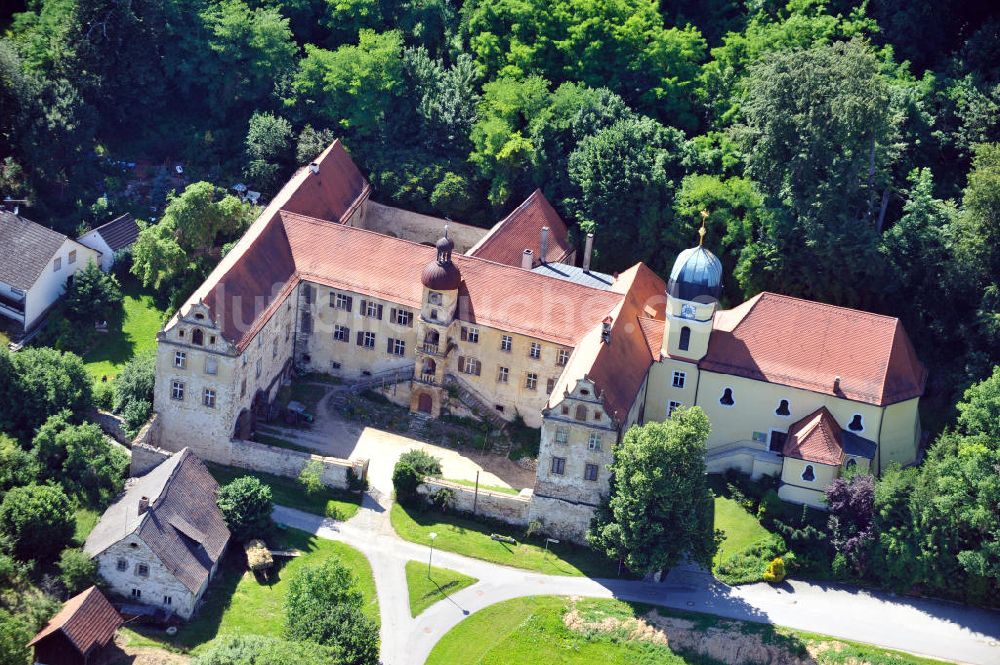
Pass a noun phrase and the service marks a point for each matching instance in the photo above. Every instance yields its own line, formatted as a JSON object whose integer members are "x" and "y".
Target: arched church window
{"x": 727, "y": 397}
{"x": 685, "y": 340}
{"x": 809, "y": 474}
{"x": 857, "y": 423}
{"x": 782, "y": 409}
{"x": 197, "y": 337}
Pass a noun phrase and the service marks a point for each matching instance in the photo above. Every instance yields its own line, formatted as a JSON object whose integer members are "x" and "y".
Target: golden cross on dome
{"x": 701, "y": 231}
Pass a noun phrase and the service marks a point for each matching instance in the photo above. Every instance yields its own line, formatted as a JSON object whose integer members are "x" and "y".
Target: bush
{"x": 77, "y": 571}
{"x": 424, "y": 463}
{"x": 775, "y": 573}
{"x": 80, "y": 458}
{"x": 246, "y": 506}
{"x": 43, "y": 382}
{"x": 38, "y": 519}
{"x": 14, "y": 635}
{"x": 311, "y": 477}
{"x": 135, "y": 382}
{"x": 749, "y": 565}
{"x": 136, "y": 414}
{"x": 260, "y": 650}
{"x": 405, "y": 480}
{"x": 771, "y": 507}
{"x": 17, "y": 466}
{"x": 443, "y": 500}
{"x": 104, "y": 395}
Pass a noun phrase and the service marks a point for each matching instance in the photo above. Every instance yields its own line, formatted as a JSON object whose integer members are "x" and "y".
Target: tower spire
{"x": 701, "y": 231}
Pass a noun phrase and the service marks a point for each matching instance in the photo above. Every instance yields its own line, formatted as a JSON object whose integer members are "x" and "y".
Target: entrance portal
{"x": 425, "y": 403}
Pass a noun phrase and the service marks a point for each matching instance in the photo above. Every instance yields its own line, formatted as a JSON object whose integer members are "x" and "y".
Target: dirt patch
{"x": 123, "y": 654}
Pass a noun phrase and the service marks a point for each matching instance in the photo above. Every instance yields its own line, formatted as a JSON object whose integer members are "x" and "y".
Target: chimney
{"x": 588, "y": 250}
{"x": 836, "y": 384}
{"x": 314, "y": 167}
{"x": 527, "y": 259}
{"x": 143, "y": 505}
{"x": 543, "y": 249}
{"x": 606, "y": 329}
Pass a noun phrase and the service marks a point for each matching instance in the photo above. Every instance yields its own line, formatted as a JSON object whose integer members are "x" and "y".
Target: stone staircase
{"x": 476, "y": 403}
{"x": 384, "y": 378}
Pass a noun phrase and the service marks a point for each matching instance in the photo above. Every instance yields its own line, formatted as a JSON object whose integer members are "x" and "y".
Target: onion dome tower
{"x": 693, "y": 292}
{"x": 441, "y": 274}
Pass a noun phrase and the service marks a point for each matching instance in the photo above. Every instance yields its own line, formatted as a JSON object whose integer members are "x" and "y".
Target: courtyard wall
{"x": 506, "y": 508}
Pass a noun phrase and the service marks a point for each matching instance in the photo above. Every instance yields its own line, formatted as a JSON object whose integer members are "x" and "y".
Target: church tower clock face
{"x": 687, "y": 311}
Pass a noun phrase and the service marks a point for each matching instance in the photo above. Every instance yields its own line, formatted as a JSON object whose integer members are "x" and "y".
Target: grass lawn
{"x": 238, "y": 603}
{"x": 471, "y": 538}
{"x": 288, "y": 492}
{"x": 86, "y": 520}
{"x": 740, "y": 527}
{"x": 525, "y": 631}
{"x": 492, "y": 488}
{"x": 425, "y": 591}
{"x": 138, "y": 333}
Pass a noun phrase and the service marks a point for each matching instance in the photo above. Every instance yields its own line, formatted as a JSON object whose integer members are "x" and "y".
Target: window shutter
{"x": 361, "y": 338}
{"x": 461, "y": 363}
{"x": 350, "y": 302}
{"x": 379, "y": 312}
{"x": 393, "y": 316}
{"x": 388, "y": 345}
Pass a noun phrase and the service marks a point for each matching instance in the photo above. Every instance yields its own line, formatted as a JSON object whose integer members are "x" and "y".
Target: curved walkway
{"x": 931, "y": 628}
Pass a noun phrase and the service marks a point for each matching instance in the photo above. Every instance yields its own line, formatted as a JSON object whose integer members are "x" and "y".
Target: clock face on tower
{"x": 687, "y": 311}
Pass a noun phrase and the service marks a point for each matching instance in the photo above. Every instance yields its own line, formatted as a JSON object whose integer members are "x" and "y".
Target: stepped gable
{"x": 521, "y": 230}
{"x": 807, "y": 345}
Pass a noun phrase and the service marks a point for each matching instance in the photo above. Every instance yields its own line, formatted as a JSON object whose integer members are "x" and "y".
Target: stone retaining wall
{"x": 562, "y": 519}
{"x": 145, "y": 458}
{"x": 496, "y": 505}
{"x": 289, "y": 463}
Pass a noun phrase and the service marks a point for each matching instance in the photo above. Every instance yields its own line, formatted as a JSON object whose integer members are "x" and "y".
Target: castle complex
{"x": 327, "y": 280}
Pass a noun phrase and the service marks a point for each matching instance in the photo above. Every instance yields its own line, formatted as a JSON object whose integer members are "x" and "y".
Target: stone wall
{"x": 496, "y": 505}
{"x": 145, "y": 458}
{"x": 415, "y": 227}
{"x": 562, "y": 519}
{"x": 289, "y": 463}
{"x": 110, "y": 424}
{"x": 155, "y": 587}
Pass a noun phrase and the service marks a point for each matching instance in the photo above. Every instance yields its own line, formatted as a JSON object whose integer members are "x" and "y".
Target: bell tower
{"x": 692, "y": 299}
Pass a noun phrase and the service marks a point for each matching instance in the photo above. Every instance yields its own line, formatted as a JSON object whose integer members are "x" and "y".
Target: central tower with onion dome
{"x": 692, "y": 299}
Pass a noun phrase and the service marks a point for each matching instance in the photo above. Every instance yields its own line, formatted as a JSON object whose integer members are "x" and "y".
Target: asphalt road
{"x": 931, "y": 628}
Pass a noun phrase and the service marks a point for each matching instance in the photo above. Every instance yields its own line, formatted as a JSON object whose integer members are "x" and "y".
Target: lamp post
{"x": 547, "y": 541}
{"x": 430, "y": 556}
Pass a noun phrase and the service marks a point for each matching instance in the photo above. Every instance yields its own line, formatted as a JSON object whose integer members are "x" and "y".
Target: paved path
{"x": 937, "y": 629}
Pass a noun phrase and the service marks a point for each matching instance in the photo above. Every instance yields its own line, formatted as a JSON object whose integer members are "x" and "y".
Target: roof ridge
{"x": 116, "y": 219}
{"x": 816, "y": 303}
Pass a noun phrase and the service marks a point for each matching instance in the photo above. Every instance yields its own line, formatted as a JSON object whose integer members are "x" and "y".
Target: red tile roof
{"x": 87, "y": 620}
{"x": 652, "y": 330}
{"x": 521, "y": 230}
{"x": 333, "y": 193}
{"x": 806, "y": 345}
{"x": 490, "y": 293}
{"x": 816, "y": 438}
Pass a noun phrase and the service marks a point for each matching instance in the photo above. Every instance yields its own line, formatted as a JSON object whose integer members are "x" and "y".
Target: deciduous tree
{"x": 39, "y": 521}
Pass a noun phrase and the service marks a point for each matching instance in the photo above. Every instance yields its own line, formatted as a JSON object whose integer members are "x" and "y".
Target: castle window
{"x": 857, "y": 423}
{"x": 782, "y": 409}
{"x": 434, "y": 315}
{"x": 562, "y": 357}
{"x": 307, "y": 294}
{"x": 372, "y": 310}
{"x": 341, "y": 301}
{"x": 531, "y": 381}
{"x": 581, "y": 412}
{"x": 366, "y": 339}
{"x": 549, "y": 385}
{"x": 597, "y": 415}
{"x": 208, "y": 398}
{"x": 211, "y": 339}
{"x": 685, "y": 341}
{"x": 506, "y": 342}
{"x": 470, "y": 334}
{"x": 535, "y": 351}
{"x": 595, "y": 441}
{"x": 341, "y": 333}
{"x": 503, "y": 374}
{"x": 136, "y": 594}
{"x": 198, "y": 337}
{"x": 679, "y": 378}
{"x": 142, "y": 570}
{"x": 558, "y": 465}
{"x": 565, "y": 409}
{"x": 122, "y": 565}
{"x": 177, "y": 390}
{"x": 562, "y": 435}
{"x": 167, "y": 600}
{"x": 434, "y": 298}
{"x": 180, "y": 359}
{"x": 396, "y": 347}
{"x": 673, "y": 406}
{"x": 402, "y": 317}
{"x": 590, "y": 472}
{"x": 727, "y": 397}
{"x": 469, "y": 366}
{"x": 809, "y": 474}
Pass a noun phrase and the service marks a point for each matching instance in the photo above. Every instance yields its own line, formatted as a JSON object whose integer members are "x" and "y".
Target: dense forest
{"x": 847, "y": 152}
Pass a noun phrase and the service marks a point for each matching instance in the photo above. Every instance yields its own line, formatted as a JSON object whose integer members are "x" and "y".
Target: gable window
{"x": 434, "y": 315}
{"x": 72, "y": 257}
{"x": 198, "y": 337}
{"x": 671, "y": 407}
{"x": 121, "y": 565}
{"x": 558, "y": 465}
{"x": 366, "y": 339}
{"x": 562, "y": 435}
{"x": 857, "y": 423}
{"x": 469, "y": 366}
{"x": 685, "y": 340}
{"x": 341, "y": 301}
{"x": 727, "y": 397}
{"x": 506, "y": 342}
{"x": 372, "y": 310}
{"x": 212, "y": 365}
{"x": 208, "y": 398}
{"x": 535, "y": 351}
{"x": 679, "y": 378}
{"x": 57, "y": 264}
{"x": 782, "y": 409}
{"x": 180, "y": 359}
{"x": 142, "y": 570}
{"x": 341, "y": 333}
{"x": 503, "y": 374}
{"x": 590, "y": 472}
{"x": 177, "y": 390}
{"x": 595, "y": 441}
{"x": 396, "y": 347}
{"x": 809, "y": 474}
{"x": 401, "y": 317}
{"x": 562, "y": 357}
{"x": 434, "y": 298}
{"x": 470, "y": 335}
{"x": 581, "y": 412}
{"x": 531, "y": 381}
{"x": 565, "y": 409}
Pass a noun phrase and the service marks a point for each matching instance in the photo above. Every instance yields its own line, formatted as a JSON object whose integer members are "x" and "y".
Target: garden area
{"x": 565, "y": 631}
{"x": 292, "y": 493}
{"x": 240, "y": 603}
{"x": 427, "y": 587}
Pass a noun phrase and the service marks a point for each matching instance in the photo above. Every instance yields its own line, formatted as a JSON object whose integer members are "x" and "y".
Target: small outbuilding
{"x": 79, "y": 632}
{"x": 117, "y": 235}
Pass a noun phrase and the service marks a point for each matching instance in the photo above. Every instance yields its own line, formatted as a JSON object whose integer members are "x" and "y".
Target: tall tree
{"x": 659, "y": 509}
